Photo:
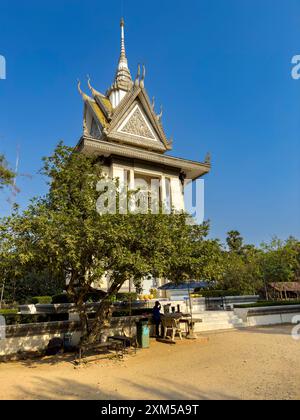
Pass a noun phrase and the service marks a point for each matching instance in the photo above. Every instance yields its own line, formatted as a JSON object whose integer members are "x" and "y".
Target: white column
{"x": 163, "y": 192}
{"x": 177, "y": 194}
{"x": 131, "y": 186}
{"x": 131, "y": 179}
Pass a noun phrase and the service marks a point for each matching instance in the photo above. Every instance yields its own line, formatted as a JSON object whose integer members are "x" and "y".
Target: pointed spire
{"x": 123, "y": 78}
{"x": 123, "y": 51}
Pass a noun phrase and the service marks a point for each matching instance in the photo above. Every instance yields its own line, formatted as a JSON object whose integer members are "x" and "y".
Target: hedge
{"x": 14, "y": 318}
{"x": 268, "y": 303}
{"x": 125, "y": 297}
{"x": 42, "y": 300}
{"x": 91, "y": 297}
{"x": 4, "y": 312}
{"x": 216, "y": 293}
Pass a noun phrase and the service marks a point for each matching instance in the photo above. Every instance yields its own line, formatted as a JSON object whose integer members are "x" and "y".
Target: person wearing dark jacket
{"x": 156, "y": 317}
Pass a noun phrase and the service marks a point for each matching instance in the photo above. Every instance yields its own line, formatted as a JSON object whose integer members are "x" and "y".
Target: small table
{"x": 189, "y": 323}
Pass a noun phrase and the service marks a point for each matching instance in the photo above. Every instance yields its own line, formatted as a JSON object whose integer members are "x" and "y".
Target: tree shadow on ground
{"x": 166, "y": 389}
{"x": 71, "y": 358}
{"x": 63, "y": 389}
{"x": 66, "y": 389}
{"x": 282, "y": 329}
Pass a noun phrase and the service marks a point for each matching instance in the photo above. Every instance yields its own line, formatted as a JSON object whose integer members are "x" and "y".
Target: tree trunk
{"x": 103, "y": 316}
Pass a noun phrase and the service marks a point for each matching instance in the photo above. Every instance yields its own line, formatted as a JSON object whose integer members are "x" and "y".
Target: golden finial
{"x": 137, "y": 79}
{"x": 94, "y": 91}
{"x": 84, "y": 96}
{"x": 142, "y": 82}
{"x": 153, "y": 103}
{"x": 161, "y": 113}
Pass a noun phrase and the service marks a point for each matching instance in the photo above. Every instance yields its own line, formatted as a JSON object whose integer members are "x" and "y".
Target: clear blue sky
{"x": 221, "y": 69}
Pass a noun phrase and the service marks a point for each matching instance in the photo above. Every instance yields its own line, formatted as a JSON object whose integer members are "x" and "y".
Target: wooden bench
{"x": 124, "y": 341}
{"x": 109, "y": 345}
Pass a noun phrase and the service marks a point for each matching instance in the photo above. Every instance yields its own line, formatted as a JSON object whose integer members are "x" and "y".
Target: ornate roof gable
{"x": 137, "y": 125}
{"x": 135, "y": 122}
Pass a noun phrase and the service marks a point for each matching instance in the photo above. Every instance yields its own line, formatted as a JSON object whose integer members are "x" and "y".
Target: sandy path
{"x": 259, "y": 363}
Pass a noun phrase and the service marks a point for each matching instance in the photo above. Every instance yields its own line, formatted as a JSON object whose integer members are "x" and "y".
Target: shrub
{"x": 216, "y": 293}
{"x": 4, "y": 312}
{"x": 21, "y": 319}
{"x": 90, "y": 297}
{"x": 125, "y": 297}
{"x": 42, "y": 300}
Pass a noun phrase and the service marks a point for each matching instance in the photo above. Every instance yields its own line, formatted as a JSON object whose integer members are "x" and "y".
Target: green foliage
{"x": 6, "y": 175}
{"x": 234, "y": 241}
{"x": 15, "y": 318}
{"x": 4, "y": 312}
{"x": 154, "y": 293}
{"x": 42, "y": 300}
{"x": 280, "y": 260}
{"x": 217, "y": 293}
{"x": 126, "y": 297}
{"x": 24, "y": 281}
{"x": 242, "y": 273}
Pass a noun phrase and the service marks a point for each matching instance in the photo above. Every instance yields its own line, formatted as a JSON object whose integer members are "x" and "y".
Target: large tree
{"x": 63, "y": 232}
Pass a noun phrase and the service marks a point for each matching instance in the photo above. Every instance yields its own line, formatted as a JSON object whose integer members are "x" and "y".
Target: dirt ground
{"x": 261, "y": 363}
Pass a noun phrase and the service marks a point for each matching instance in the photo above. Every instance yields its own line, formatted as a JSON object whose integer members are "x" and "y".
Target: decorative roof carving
{"x": 138, "y": 126}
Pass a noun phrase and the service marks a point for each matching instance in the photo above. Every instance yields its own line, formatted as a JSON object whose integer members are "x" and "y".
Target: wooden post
{"x": 2, "y": 294}
{"x": 130, "y": 307}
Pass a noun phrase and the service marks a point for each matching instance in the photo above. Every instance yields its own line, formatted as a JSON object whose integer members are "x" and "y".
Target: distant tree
{"x": 234, "y": 241}
{"x": 6, "y": 175}
{"x": 23, "y": 287}
{"x": 280, "y": 260}
{"x": 242, "y": 272}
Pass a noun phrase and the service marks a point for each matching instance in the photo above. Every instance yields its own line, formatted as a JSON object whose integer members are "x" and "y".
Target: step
{"x": 220, "y": 319}
{"x": 217, "y": 326}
